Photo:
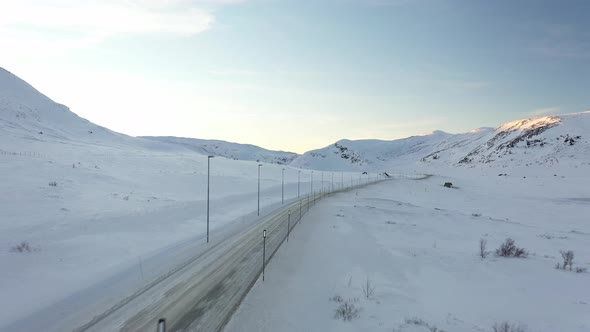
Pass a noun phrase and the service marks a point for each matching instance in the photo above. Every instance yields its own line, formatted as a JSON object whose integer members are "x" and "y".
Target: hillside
{"x": 229, "y": 150}
{"x": 544, "y": 141}
{"x": 30, "y": 121}
{"x": 90, "y": 203}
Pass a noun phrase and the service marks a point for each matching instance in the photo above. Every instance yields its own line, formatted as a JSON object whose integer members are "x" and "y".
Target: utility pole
{"x": 259, "y": 165}
{"x": 298, "y": 183}
{"x": 263, "y": 253}
{"x": 208, "y": 177}
{"x": 311, "y": 191}
{"x": 283, "y": 187}
{"x": 288, "y": 225}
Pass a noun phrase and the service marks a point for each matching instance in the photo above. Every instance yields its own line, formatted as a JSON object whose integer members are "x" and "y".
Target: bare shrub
{"x": 368, "y": 289}
{"x": 509, "y": 249}
{"x": 347, "y": 311}
{"x": 420, "y": 322}
{"x": 24, "y": 246}
{"x": 337, "y": 299}
{"x": 568, "y": 259}
{"x": 581, "y": 269}
{"x": 506, "y": 249}
{"x": 483, "y": 245}
{"x": 520, "y": 253}
{"x": 415, "y": 321}
{"x": 507, "y": 327}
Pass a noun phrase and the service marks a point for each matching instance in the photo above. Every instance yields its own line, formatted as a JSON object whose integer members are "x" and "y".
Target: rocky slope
{"x": 544, "y": 141}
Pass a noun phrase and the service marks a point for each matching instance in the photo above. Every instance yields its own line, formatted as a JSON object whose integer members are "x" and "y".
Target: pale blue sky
{"x": 298, "y": 75}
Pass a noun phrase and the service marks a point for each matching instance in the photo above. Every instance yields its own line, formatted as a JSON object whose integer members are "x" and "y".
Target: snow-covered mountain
{"x": 30, "y": 121}
{"x": 546, "y": 141}
{"x": 229, "y": 150}
{"x": 27, "y": 113}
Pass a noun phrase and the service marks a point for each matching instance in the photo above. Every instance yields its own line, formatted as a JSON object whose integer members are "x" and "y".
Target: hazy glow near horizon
{"x": 300, "y": 74}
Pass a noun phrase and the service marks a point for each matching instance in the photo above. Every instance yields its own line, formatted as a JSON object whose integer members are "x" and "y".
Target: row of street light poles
{"x": 282, "y": 186}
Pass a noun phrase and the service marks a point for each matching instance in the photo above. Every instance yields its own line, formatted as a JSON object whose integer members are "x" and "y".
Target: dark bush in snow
{"x": 420, "y": 322}
{"x": 568, "y": 262}
{"x": 347, "y": 311}
{"x": 24, "y": 246}
{"x": 507, "y": 327}
{"x": 337, "y": 299}
{"x": 568, "y": 259}
{"x": 509, "y": 249}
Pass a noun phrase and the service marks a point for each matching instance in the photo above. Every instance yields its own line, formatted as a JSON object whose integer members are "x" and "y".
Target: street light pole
{"x": 298, "y": 183}
{"x": 263, "y": 253}
{"x": 208, "y": 183}
{"x": 162, "y": 325}
{"x": 259, "y": 165}
{"x": 283, "y": 187}
{"x": 311, "y": 191}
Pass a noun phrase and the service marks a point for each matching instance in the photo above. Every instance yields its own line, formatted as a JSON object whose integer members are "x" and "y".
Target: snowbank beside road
{"x": 417, "y": 243}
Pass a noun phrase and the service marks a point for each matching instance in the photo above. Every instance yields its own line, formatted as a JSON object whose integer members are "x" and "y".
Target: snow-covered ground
{"x": 104, "y": 213}
{"x": 95, "y": 205}
{"x": 417, "y": 243}
{"x": 111, "y": 211}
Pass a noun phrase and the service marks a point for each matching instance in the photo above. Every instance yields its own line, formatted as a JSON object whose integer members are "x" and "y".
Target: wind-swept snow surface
{"x": 417, "y": 245}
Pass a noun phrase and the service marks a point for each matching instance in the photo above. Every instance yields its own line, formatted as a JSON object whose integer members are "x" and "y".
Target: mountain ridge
{"x": 546, "y": 140}
{"x": 28, "y": 115}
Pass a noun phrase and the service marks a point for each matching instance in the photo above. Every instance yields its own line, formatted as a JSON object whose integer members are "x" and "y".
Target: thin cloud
{"x": 56, "y": 26}
{"x": 105, "y": 18}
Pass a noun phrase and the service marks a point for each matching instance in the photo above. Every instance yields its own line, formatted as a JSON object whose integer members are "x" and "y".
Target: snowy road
{"x": 198, "y": 295}
{"x": 202, "y": 295}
